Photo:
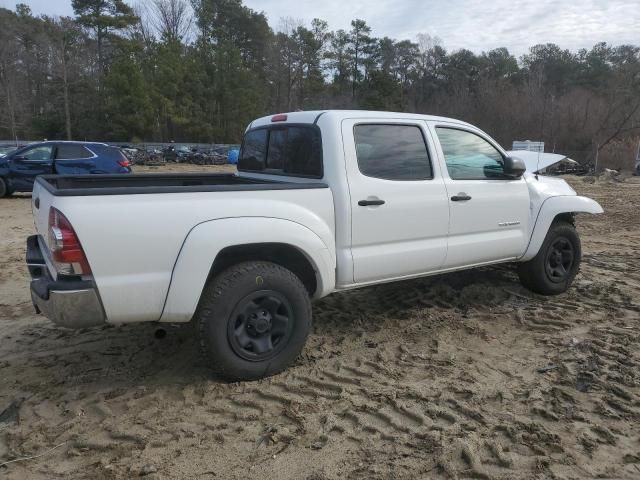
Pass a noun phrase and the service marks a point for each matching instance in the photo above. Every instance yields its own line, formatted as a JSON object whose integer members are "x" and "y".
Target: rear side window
{"x": 283, "y": 150}
{"x": 392, "y": 152}
{"x": 72, "y": 152}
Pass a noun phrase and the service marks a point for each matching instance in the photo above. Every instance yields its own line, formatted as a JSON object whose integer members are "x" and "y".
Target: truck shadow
{"x": 371, "y": 307}
{"x": 113, "y": 357}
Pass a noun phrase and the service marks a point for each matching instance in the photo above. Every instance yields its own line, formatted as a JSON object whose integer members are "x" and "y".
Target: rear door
{"x": 74, "y": 159}
{"x": 399, "y": 208}
{"x": 29, "y": 163}
{"x": 489, "y": 212}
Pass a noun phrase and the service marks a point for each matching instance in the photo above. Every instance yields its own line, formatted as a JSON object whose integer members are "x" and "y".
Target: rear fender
{"x": 206, "y": 240}
{"x": 551, "y": 208}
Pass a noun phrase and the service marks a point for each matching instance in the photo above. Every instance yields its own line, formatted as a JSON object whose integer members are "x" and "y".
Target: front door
{"x": 399, "y": 209}
{"x": 26, "y": 165}
{"x": 489, "y": 212}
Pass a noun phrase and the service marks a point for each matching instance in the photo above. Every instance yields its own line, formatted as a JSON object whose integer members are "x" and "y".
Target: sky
{"x": 473, "y": 24}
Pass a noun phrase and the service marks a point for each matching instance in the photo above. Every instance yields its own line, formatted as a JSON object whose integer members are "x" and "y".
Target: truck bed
{"x": 149, "y": 183}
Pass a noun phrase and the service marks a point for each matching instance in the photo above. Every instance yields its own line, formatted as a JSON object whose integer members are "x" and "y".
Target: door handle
{"x": 369, "y": 203}
{"x": 460, "y": 198}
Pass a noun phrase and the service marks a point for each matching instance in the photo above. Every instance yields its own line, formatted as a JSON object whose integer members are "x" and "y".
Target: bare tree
{"x": 290, "y": 54}
{"x": 172, "y": 19}
{"x": 8, "y": 74}
{"x": 143, "y": 29}
{"x": 63, "y": 39}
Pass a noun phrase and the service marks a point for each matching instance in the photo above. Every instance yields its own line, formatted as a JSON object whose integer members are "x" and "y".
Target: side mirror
{"x": 514, "y": 167}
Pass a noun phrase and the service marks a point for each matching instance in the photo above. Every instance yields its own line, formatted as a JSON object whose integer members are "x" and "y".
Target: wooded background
{"x": 201, "y": 70}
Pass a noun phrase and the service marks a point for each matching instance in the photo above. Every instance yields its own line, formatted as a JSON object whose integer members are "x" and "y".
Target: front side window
{"x": 282, "y": 150}
{"x": 72, "y": 152}
{"x": 37, "y": 153}
{"x": 392, "y": 152}
{"x": 469, "y": 156}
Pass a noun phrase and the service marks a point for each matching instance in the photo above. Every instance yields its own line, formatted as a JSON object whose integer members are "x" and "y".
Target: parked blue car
{"x": 18, "y": 169}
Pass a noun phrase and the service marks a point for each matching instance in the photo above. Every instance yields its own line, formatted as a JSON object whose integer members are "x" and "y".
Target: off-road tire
{"x": 535, "y": 274}
{"x": 216, "y": 317}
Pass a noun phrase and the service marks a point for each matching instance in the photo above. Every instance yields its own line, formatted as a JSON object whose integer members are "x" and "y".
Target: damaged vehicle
{"x": 549, "y": 163}
{"x": 322, "y": 202}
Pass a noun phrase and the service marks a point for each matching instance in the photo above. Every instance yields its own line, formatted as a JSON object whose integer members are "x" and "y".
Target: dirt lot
{"x": 463, "y": 376}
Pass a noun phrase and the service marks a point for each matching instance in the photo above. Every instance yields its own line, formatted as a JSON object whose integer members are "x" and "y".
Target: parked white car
{"x": 322, "y": 202}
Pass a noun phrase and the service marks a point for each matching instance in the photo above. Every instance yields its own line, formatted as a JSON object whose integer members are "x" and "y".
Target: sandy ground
{"x": 463, "y": 376}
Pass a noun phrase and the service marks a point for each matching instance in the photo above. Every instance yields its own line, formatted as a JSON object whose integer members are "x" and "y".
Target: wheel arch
{"x": 214, "y": 246}
{"x": 568, "y": 217}
{"x": 283, "y": 254}
{"x": 554, "y": 209}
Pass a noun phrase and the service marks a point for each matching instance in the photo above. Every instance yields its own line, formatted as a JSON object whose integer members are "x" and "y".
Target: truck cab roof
{"x": 312, "y": 117}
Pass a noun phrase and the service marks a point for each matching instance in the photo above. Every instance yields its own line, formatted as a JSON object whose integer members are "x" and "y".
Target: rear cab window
{"x": 290, "y": 150}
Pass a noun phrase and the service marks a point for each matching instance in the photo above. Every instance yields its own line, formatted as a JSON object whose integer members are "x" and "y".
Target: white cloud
{"x": 477, "y": 25}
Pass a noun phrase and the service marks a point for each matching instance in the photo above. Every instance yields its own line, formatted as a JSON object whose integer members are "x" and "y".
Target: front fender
{"x": 551, "y": 208}
{"x": 4, "y": 168}
{"x": 205, "y": 241}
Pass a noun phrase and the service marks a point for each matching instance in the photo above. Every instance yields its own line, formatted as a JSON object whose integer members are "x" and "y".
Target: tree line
{"x": 201, "y": 70}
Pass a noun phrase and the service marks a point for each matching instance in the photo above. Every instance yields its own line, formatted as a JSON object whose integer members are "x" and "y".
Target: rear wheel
{"x": 555, "y": 266}
{"x": 253, "y": 320}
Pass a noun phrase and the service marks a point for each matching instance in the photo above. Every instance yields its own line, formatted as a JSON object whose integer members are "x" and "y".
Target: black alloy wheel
{"x": 260, "y": 325}
{"x": 559, "y": 260}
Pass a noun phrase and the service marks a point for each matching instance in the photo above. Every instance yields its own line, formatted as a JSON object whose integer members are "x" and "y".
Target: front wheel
{"x": 554, "y": 268}
{"x": 4, "y": 188}
{"x": 253, "y": 320}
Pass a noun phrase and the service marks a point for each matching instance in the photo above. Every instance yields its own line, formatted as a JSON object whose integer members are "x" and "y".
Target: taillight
{"x": 279, "y": 118}
{"x": 124, "y": 160}
{"x": 65, "y": 247}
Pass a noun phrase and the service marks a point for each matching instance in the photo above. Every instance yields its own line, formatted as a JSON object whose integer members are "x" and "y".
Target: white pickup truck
{"x": 322, "y": 202}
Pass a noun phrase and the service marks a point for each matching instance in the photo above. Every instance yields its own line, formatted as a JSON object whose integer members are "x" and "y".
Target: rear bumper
{"x": 69, "y": 302}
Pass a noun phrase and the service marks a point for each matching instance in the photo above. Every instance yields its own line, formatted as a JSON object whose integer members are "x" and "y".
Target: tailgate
{"x": 41, "y": 201}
